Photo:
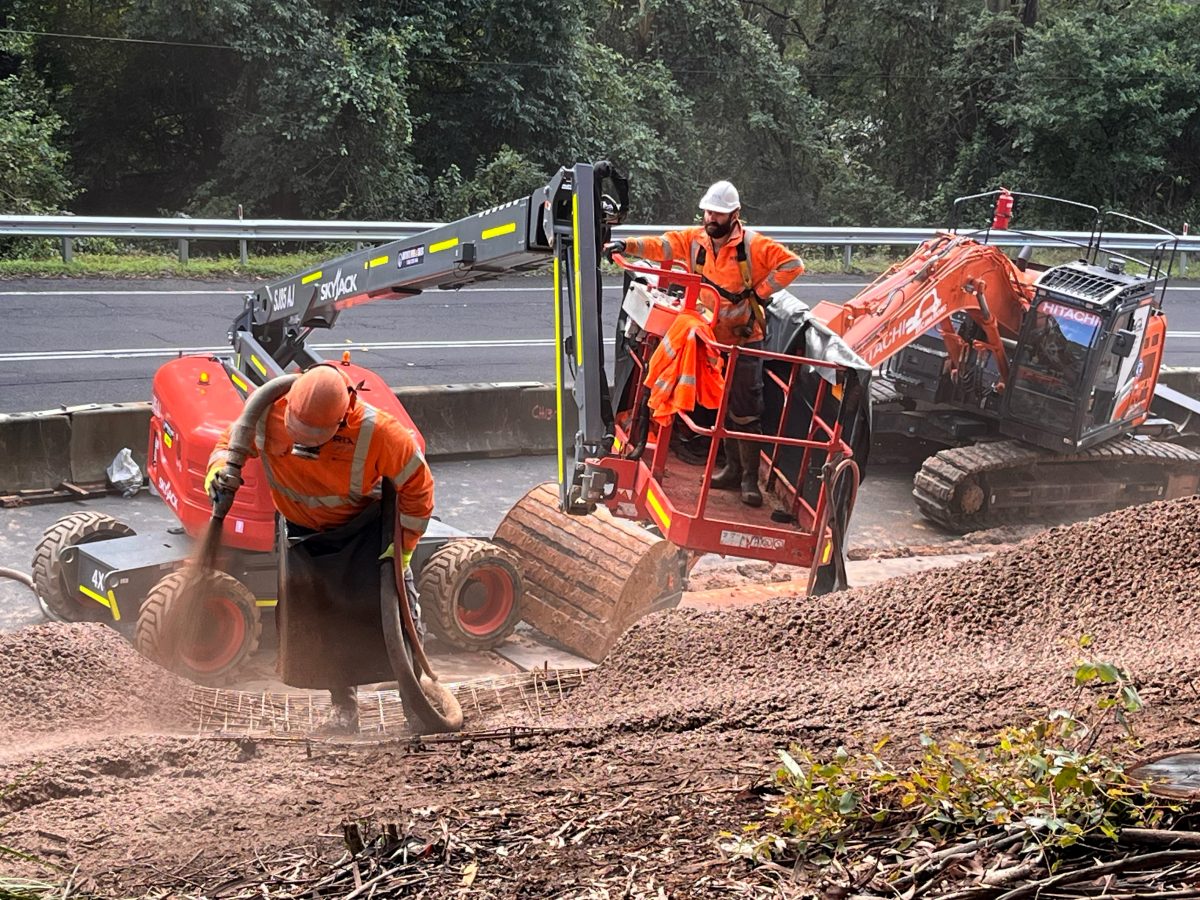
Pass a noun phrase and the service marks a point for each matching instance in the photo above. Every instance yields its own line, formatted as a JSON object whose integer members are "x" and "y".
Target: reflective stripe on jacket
{"x": 684, "y": 369}
{"x": 771, "y": 266}
{"x": 332, "y": 489}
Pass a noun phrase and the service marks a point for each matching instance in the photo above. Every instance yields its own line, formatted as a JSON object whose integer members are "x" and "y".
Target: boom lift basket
{"x": 812, "y": 445}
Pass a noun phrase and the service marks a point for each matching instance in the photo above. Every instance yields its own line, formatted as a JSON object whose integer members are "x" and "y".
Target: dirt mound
{"x": 663, "y": 746}
{"x": 968, "y": 646}
{"x": 60, "y": 678}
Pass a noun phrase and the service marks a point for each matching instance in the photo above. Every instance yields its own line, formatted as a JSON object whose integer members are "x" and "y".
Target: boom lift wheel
{"x": 62, "y": 599}
{"x": 473, "y": 592}
{"x": 203, "y": 630}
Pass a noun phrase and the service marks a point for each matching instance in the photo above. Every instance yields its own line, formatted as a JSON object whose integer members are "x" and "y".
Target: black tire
{"x": 206, "y": 647}
{"x": 472, "y": 592}
{"x": 63, "y": 600}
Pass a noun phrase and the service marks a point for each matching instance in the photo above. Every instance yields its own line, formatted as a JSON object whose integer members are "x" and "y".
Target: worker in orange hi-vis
{"x": 329, "y": 458}
{"x": 744, "y": 268}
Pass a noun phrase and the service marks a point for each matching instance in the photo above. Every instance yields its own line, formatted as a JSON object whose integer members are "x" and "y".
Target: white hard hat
{"x": 722, "y": 197}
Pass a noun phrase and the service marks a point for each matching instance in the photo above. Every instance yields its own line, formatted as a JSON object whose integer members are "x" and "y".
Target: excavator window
{"x": 1118, "y": 366}
{"x": 1051, "y": 360}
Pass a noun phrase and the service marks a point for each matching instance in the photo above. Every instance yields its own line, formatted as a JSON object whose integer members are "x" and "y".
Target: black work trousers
{"x": 745, "y": 408}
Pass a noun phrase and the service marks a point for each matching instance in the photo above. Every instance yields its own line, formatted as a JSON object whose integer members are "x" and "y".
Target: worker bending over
{"x": 744, "y": 268}
{"x": 329, "y": 457}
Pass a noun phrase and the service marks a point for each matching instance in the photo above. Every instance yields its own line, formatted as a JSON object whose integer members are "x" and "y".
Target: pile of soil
{"x": 62, "y": 679}
{"x": 990, "y": 638}
{"x": 633, "y": 777}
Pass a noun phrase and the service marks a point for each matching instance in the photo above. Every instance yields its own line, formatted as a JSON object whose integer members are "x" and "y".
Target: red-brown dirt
{"x": 642, "y": 767}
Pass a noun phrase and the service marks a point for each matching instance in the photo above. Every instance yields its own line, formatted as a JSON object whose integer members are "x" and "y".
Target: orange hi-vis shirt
{"x": 332, "y": 489}
{"x": 685, "y": 369}
{"x": 771, "y": 266}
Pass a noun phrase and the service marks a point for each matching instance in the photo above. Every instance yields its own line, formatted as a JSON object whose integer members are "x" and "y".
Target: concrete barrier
{"x": 40, "y": 451}
{"x": 1186, "y": 380}
{"x": 35, "y": 451}
{"x": 485, "y": 419}
{"x": 99, "y": 432}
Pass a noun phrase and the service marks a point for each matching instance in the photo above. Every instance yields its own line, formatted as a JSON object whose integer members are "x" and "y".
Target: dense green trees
{"x": 32, "y": 165}
{"x": 853, "y": 111}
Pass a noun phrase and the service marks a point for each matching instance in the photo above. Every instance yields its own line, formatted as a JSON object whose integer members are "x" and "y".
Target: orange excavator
{"x": 1038, "y": 379}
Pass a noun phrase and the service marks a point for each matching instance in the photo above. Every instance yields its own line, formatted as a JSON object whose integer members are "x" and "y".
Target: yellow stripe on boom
{"x": 578, "y": 330}
{"x": 499, "y": 230}
{"x": 443, "y": 245}
{"x": 311, "y": 277}
{"x": 377, "y": 261}
{"x": 558, "y": 367}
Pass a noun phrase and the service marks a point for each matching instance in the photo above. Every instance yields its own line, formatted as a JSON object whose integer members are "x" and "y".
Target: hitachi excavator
{"x": 580, "y": 560}
{"x": 1039, "y": 379}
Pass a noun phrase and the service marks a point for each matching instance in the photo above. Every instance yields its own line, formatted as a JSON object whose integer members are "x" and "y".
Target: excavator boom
{"x": 948, "y": 274}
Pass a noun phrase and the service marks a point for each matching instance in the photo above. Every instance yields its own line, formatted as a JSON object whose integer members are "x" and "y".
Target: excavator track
{"x": 1008, "y": 482}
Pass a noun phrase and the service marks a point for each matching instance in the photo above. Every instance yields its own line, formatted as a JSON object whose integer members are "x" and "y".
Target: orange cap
{"x": 316, "y": 405}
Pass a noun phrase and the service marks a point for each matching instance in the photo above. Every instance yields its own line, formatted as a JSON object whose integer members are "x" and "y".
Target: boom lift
{"x": 1040, "y": 378}
{"x": 578, "y": 577}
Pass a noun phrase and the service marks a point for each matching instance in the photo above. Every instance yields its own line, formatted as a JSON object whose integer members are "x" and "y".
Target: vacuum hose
{"x": 18, "y": 576}
{"x": 241, "y": 436}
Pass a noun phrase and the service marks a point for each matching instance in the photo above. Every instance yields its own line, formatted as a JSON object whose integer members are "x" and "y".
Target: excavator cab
{"x": 1087, "y": 358}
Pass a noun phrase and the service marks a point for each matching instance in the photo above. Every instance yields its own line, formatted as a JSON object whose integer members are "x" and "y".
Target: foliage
{"x": 33, "y": 175}
{"x": 1107, "y": 110}
{"x": 1047, "y": 782}
{"x": 859, "y": 112}
{"x": 507, "y": 176}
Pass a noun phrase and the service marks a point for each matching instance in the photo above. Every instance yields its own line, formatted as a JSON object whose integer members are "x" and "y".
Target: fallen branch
{"x": 1159, "y": 837}
{"x": 1146, "y": 860}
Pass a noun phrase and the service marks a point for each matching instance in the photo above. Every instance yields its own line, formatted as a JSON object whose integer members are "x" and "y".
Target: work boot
{"x": 344, "y": 717}
{"x": 729, "y": 476}
{"x": 749, "y": 453}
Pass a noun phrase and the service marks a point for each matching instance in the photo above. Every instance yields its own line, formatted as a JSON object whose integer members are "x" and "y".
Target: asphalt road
{"x": 68, "y": 342}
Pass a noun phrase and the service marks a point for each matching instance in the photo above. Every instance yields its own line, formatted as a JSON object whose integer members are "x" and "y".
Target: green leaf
{"x": 793, "y": 768}
{"x": 847, "y": 802}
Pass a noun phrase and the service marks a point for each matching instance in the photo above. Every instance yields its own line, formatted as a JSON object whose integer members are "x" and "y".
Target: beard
{"x": 716, "y": 230}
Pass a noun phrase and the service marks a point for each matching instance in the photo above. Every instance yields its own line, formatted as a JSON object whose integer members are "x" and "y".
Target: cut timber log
{"x": 588, "y": 578}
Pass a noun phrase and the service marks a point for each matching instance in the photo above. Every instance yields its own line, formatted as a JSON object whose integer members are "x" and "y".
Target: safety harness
{"x": 747, "y": 293}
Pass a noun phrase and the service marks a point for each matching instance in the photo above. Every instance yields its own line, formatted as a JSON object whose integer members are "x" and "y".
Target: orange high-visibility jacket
{"x": 769, "y": 267}
{"x": 332, "y": 489}
{"x": 684, "y": 369}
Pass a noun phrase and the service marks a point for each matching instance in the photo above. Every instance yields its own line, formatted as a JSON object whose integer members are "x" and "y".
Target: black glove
{"x": 613, "y": 247}
{"x": 222, "y": 489}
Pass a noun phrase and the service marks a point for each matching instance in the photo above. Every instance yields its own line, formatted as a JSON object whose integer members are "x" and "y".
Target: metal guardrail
{"x": 185, "y": 230}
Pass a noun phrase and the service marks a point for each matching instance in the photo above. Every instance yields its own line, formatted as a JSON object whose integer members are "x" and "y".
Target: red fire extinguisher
{"x": 1004, "y": 205}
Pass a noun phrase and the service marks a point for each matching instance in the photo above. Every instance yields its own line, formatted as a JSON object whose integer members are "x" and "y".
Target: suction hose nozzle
{"x": 241, "y": 441}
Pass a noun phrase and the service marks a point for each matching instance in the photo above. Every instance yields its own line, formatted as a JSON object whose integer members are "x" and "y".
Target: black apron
{"x": 328, "y": 616}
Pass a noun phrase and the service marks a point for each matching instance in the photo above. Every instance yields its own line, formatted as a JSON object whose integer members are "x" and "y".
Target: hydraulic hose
{"x": 15, "y": 575}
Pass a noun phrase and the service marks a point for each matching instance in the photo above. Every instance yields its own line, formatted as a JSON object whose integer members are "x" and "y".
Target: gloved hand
{"x": 613, "y": 247}
{"x": 221, "y": 484}
{"x": 405, "y": 555}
